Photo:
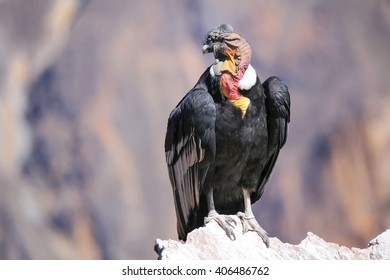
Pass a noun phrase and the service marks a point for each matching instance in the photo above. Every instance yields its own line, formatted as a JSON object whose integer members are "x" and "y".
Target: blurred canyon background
{"x": 86, "y": 88}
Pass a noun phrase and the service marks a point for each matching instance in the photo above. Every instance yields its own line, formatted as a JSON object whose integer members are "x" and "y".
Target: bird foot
{"x": 249, "y": 223}
{"x": 226, "y": 222}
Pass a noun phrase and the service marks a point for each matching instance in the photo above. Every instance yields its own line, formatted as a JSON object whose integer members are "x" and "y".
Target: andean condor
{"x": 224, "y": 137}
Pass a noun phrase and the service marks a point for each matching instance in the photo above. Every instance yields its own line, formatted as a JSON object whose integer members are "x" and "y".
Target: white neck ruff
{"x": 249, "y": 78}
{"x": 247, "y": 81}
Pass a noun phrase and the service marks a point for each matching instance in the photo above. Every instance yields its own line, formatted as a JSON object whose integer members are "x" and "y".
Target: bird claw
{"x": 227, "y": 223}
{"x": 231, "y": 221}
{"x": 249, "y": 223}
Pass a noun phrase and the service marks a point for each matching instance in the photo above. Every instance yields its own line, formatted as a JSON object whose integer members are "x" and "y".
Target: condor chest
{"x": 236, "y": 136}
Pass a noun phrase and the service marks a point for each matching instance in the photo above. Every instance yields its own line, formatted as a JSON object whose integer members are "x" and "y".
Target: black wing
{"x": 278, "y": 116}
{"x": 189, "y": 150}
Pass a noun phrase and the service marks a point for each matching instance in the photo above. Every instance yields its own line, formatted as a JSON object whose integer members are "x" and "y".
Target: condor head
{"x": 231, "y": 51}
{"x": 214, "y": 39}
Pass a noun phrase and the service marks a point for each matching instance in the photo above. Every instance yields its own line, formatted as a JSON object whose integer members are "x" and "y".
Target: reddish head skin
{"x": 238, "y": 54}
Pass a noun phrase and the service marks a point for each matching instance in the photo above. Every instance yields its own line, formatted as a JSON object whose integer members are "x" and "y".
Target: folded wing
{"x": 189, "y": 150}
{"x": 278, "y": 116}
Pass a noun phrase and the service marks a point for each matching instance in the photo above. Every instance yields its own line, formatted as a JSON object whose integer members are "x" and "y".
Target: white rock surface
{"x": 211, "y": 243}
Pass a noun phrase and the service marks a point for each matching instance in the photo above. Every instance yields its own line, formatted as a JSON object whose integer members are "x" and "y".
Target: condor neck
{"x": 236, "y": 74}
{"x": 243, "y": 58}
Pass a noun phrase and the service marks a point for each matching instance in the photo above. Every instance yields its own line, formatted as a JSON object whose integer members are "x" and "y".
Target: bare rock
{"x": 211, "y": 242}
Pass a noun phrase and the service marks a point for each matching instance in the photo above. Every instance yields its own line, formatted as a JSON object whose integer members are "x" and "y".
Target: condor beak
{"x": 206, "y": 49}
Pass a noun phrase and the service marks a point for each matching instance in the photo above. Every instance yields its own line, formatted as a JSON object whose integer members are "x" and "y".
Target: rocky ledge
{"x": 211, "y": 243}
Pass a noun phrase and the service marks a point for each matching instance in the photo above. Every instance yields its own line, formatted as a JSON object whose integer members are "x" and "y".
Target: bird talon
{"x": 231, "y": 222}
{"x": 249, "y": 223}
{"x": 225, "y": 222}
{"x": 244, "y": 216}
{"x": 231, "y": 236}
